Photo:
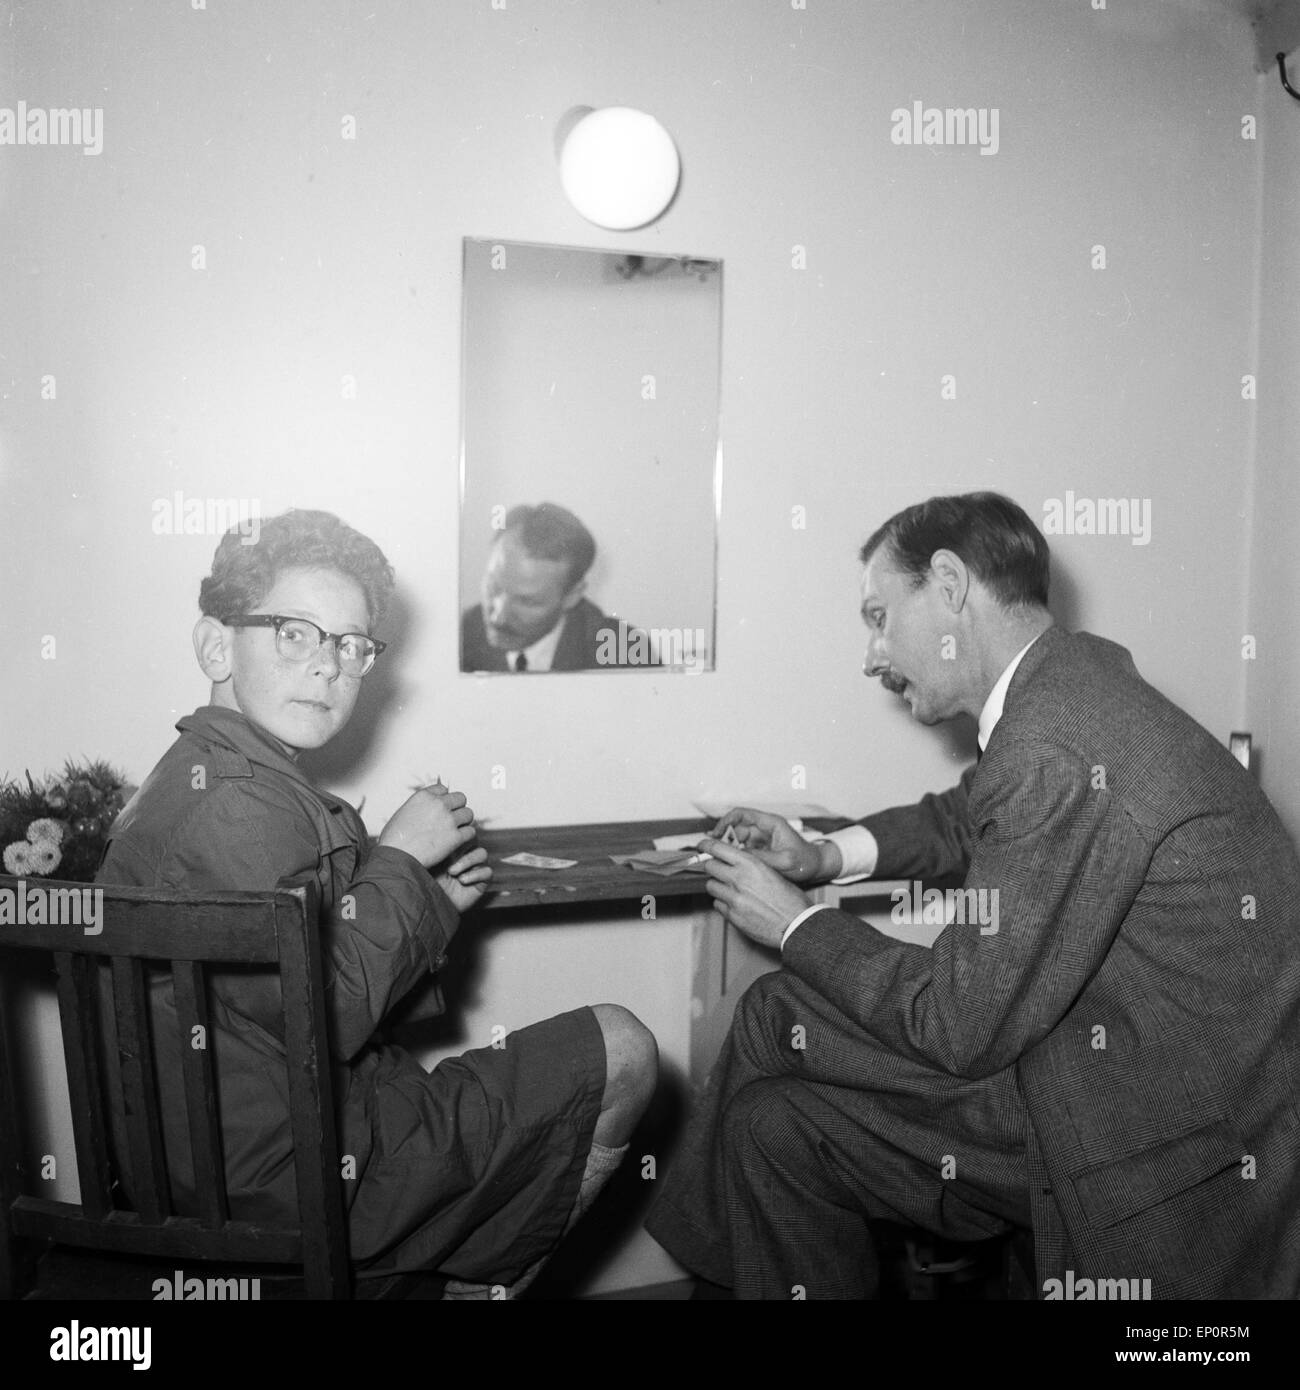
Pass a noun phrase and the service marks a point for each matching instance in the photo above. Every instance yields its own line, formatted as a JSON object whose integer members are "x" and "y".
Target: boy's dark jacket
{"x": 226, "y": 809}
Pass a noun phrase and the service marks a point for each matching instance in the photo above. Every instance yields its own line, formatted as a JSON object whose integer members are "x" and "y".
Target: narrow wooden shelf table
{"x": 595, "y": 877}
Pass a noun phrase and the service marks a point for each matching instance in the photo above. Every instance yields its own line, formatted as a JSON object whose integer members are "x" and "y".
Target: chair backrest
{"x": 83, "y": 925}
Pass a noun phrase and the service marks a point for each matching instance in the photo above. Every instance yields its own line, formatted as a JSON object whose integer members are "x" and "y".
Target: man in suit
{"x": 1104, "y": 1046}
{"x": 534, "y": 616}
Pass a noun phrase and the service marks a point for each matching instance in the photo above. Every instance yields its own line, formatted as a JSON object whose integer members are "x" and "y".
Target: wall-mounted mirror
{"x": 590, "y": 463}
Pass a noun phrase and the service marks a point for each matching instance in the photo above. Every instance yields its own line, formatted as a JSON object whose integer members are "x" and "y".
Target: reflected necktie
{"x": 521, "y": 662}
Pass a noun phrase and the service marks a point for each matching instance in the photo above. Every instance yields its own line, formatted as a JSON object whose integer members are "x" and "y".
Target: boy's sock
{"x": 601, "y": 1165}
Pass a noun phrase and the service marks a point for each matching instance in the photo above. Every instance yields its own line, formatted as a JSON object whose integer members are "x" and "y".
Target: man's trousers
{"x": 809, "y": 1128}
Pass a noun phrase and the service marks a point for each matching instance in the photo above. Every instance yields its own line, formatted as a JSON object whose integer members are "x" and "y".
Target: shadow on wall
{"x": 1064, "y": 596}
{"x": 383, "y": 691}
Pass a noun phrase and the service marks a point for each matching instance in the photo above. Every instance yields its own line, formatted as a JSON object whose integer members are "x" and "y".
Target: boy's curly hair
{"x": 242, "y": 574}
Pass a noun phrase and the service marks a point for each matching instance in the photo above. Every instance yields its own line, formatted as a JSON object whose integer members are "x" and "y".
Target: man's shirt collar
{"x": 992, "y": 710}
{"x": 541, "y": 654}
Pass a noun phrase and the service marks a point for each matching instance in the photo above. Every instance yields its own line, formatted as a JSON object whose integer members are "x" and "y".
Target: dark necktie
{"x": 521, "y": 662}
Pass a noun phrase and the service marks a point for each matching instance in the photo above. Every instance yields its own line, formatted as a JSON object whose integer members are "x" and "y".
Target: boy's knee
{"x": 631, "y": 1053}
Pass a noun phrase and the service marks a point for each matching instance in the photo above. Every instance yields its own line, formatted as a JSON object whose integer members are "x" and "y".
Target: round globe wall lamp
{"x": 618, "y": 166}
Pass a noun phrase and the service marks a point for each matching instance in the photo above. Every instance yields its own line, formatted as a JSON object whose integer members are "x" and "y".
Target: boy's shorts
{"x": 476, "y": 1164}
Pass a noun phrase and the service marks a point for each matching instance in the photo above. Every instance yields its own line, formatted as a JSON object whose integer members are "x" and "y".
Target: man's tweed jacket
{"x": 1144, "y": 979}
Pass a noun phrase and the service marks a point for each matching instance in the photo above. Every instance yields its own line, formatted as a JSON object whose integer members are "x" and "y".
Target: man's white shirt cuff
{"x": 858, "y": 854}
{"x": 858, "y": 851}
{"x": 802, "y": 917}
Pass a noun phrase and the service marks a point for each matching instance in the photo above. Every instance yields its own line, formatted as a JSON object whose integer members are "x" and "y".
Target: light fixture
{"x": 618, "y": 166}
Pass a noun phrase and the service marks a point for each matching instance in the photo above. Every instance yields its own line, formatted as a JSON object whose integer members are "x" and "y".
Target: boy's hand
{"x": 466, "y": 880}
{"x": 430, "y": 825}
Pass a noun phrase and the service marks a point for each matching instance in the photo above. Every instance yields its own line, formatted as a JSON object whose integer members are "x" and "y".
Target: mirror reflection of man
{"x": 534, "y": 615}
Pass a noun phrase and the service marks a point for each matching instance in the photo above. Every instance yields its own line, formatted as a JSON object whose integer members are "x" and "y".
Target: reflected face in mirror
{"x": 589, "y": 408}
{"x": 523, "y": 596}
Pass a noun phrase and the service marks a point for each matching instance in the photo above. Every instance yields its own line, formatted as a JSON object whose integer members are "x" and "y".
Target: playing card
{"x": 538, "y": 861}
{"x": 652, "y": 861}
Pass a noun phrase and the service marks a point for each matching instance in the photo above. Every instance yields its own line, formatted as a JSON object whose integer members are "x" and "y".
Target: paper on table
{"x": 652, "y": 861}
{"x": 539, "y": 861}
{"x": 676, "y": 842}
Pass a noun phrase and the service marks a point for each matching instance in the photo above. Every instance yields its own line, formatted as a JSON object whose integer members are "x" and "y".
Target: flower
{"x": 43, "y": 857}
{"x": 18, "y": 858}
{"x": 62, "y": 821}
{"x": 46, "y": 829}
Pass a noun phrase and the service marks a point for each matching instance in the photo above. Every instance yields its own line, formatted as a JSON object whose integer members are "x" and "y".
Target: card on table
{"x": 538, "y": 861}
{"x": 689, "y": 841}
{"x": 664, "y": 862}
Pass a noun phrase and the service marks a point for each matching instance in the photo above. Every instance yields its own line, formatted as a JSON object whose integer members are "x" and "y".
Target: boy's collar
{"x": 237, "y": 732}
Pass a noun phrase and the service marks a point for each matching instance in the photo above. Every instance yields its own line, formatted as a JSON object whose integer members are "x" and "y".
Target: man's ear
{"x": 574, "y": 594}
{"x": 953, "y": 578}
{"x": 212, "y": 649}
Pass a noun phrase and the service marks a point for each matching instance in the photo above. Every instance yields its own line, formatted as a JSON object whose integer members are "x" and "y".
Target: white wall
{"x": 328, "y": 257}
{"x": 1273, "y": 598}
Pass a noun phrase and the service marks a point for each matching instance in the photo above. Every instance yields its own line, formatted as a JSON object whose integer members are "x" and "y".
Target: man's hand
{"x": 430, "y": 825}
{"x": 778, "y": 844}
{"x": 746, "y": 892}
{"x": 465, "y": 881}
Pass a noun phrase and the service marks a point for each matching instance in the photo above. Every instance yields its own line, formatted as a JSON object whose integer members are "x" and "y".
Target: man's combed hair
{"x": 551, "y": 532}
{"x": 242, "y": 574}
{"x": 995, "y": 538}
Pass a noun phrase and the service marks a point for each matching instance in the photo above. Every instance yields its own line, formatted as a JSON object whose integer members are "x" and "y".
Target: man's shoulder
{"x": 1060, "y": 655}
{"x": 476, "y": 654}
{"x": 594, "y": 638}
{"x": 471, "y": 629}
{"x": 1082, "y": 698}
{"x": 1066, "y": 677}
{"x": 591, "y": 620}
{"x": 585, "y": 628}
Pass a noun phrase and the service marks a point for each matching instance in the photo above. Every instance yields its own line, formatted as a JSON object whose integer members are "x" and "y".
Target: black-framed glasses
{"x": 299, "y": 639}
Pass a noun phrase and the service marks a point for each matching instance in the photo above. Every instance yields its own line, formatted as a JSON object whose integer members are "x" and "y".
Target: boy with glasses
{"x": 476, "y": 1168}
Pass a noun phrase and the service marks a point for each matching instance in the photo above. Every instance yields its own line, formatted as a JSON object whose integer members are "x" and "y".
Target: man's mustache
{"x": 894, "y": 684}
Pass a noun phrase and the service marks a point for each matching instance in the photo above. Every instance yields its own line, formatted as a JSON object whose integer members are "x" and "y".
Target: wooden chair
{"x": 183, "y": 931}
